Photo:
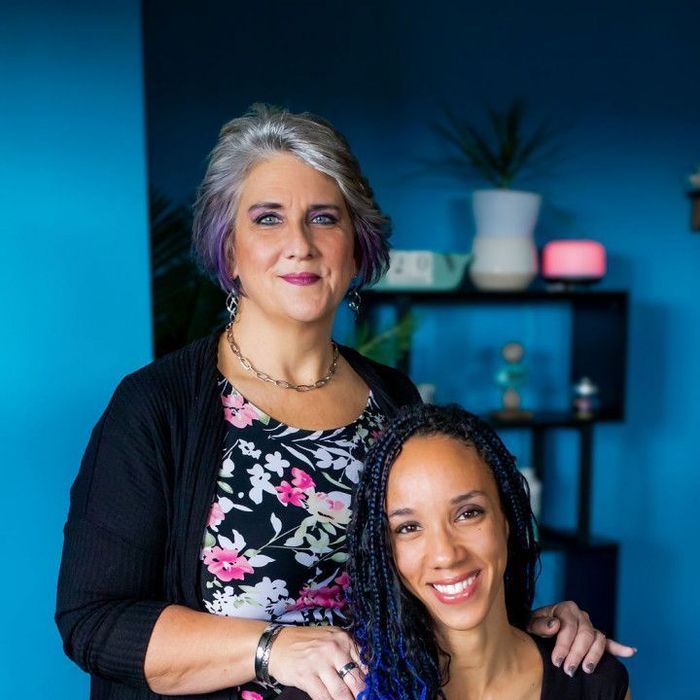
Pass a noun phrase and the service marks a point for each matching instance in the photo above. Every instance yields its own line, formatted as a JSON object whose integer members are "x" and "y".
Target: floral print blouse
{"x": 274, "y": 546}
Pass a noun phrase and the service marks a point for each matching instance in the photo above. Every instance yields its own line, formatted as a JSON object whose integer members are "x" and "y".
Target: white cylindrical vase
{"x": 503, "y": 263}
{"x": 505, "y": 212}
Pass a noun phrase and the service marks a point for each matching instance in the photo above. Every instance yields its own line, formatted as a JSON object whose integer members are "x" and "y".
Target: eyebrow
{"x": 313, "y": 207}
{"x": 263, "y": 205}
{"x": 461, "y": 498}
{"x": 276, "y": 206}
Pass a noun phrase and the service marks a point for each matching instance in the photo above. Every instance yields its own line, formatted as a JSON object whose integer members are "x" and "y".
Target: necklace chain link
{"x": 281, "y": 383}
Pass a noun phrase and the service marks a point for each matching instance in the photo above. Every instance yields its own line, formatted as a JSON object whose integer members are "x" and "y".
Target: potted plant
{"x": 506, "y": 151}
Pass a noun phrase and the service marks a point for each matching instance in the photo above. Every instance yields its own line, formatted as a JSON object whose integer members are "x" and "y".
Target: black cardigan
{"x": 139, "y": 506}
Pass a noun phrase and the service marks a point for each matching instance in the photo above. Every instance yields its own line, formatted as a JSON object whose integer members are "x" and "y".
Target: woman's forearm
{"x": 194, "y": 652}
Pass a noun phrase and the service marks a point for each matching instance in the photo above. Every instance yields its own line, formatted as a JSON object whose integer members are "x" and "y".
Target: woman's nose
{"x": 299, "y": 243}
{"x": 445, "y": 549}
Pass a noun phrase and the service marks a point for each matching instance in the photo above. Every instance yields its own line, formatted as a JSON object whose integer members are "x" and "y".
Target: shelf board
{"x": 471, "y": 295}
{"x": 548, "y": 419}
{"x": 552, "y": 539}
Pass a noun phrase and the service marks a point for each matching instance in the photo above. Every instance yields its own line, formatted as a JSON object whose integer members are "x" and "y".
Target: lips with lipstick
{"x": 453, "y": 591}
{"x": 301, "y": 279}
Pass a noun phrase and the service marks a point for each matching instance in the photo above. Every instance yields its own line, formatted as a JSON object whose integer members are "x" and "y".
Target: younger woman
{"x": 443, "y": 561}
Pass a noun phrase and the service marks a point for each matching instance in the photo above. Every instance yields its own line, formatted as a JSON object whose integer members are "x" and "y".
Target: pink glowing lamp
{"x": 570, "y": 263}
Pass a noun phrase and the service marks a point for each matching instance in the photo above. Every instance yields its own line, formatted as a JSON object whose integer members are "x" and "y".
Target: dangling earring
{"x": 232, "y": 305}
{"x": 354, "y": 301}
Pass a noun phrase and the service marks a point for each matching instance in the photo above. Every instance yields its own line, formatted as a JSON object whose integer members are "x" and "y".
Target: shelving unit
{"x": 598, "y": 351}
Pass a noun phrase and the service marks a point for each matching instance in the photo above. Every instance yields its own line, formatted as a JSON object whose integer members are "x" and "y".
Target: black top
{"x": 139, "y": 506}
{"x": 609, "y": 681}
{"x": 275, "y": 545}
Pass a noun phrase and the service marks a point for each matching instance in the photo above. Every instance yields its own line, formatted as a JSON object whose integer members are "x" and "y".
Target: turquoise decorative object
{"x": 412, "y": 270}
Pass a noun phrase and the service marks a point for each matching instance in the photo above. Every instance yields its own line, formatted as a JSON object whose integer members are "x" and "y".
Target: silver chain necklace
{"x": 281, "y": 383}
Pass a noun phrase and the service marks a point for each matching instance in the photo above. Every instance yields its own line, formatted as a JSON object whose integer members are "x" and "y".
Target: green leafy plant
{"x": 507, "y": 149}
{"x": 388, "y": 345}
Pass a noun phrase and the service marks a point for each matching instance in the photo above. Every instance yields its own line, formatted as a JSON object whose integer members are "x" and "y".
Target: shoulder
{"x": 163, "y": 392}
{"x": 177, "y": 372}
{"x": 382, "y": 378}
{"x": 610, "y": 678}
{"x": 609, "y": 681}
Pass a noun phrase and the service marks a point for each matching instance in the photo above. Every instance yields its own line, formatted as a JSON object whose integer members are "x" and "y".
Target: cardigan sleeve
{"x": 110, "y": 590}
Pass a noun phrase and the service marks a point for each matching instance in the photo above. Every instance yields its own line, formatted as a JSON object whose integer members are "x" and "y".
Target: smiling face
{"x": 293, "y": 241}
{"x": 448, "y": 533}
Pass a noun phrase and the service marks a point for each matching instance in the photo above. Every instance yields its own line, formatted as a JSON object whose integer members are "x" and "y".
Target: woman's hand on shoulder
{"x": 310, "y": 658}
{"x": 577, "y": 640}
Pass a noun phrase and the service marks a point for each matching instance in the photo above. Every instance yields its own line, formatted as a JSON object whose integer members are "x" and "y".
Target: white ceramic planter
{"x": 503, "y": 263}
{"x": 505, "y": 257}
{"x": 505, "y": 212}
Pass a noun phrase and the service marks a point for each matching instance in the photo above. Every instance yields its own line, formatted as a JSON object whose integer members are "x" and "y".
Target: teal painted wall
{"x": 75, "y": 291}
{"x": 622, "y": 77}
{"x": 74, "y": 274}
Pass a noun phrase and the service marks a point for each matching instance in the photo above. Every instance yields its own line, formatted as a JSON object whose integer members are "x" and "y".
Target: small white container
{"x": 503, "y": 263}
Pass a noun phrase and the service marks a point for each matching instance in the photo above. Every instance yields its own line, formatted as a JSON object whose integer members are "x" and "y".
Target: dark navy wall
{"x": 622, "y": 78}
{"x": 74, "y": 287}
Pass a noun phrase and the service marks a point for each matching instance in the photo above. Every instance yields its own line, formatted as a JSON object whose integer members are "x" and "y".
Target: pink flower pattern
{"x": 333, "y": 597}
{"x": 301, "y": 479}
{"x": 290, "y": 494}
{"x": 226, "y": 565}
{"x": 236, "y": 411}
{"x": 216, "y": 515}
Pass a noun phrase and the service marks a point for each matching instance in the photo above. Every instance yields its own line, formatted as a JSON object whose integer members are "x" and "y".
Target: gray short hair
{"x": 261, "y": 133}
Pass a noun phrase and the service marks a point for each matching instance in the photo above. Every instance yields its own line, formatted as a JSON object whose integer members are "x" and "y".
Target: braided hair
{"x": 393, "y": 629}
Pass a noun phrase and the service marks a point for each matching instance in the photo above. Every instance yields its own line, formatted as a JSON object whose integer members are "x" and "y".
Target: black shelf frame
{"x": 599, "y": 351}
{"x": 599, "y": 331}
{"x": 590, "y": 573}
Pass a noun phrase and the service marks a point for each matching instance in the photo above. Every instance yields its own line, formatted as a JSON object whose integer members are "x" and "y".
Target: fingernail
{"x": 550, "y": 622}
{"x": 558, "y": 661}
{"x": 589, "y": 668}
{"x": 570, "y": 671}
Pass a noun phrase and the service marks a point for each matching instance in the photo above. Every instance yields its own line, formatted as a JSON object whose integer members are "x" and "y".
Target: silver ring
{"x": 342, "y": 672}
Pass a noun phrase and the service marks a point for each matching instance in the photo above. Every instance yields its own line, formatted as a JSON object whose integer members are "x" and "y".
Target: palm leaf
{"x": 386, "y": 346}
{"x": 505, "y": 151}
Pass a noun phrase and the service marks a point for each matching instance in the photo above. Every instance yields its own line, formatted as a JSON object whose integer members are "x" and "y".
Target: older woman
{"x": 213, "y": 498}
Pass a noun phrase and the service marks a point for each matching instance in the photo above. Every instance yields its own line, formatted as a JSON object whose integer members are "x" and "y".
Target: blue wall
{"x": 74, "y": 267}
{"x": 622, "y": 78}
{"x": 74, "y": 287}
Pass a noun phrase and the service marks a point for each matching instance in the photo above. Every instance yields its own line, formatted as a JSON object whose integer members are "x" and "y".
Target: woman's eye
{"x": 470, "y": 513}
{"x": 324, "y": 219}
{"x": 267, "y": 219}
{"x": 406, "y": 528}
